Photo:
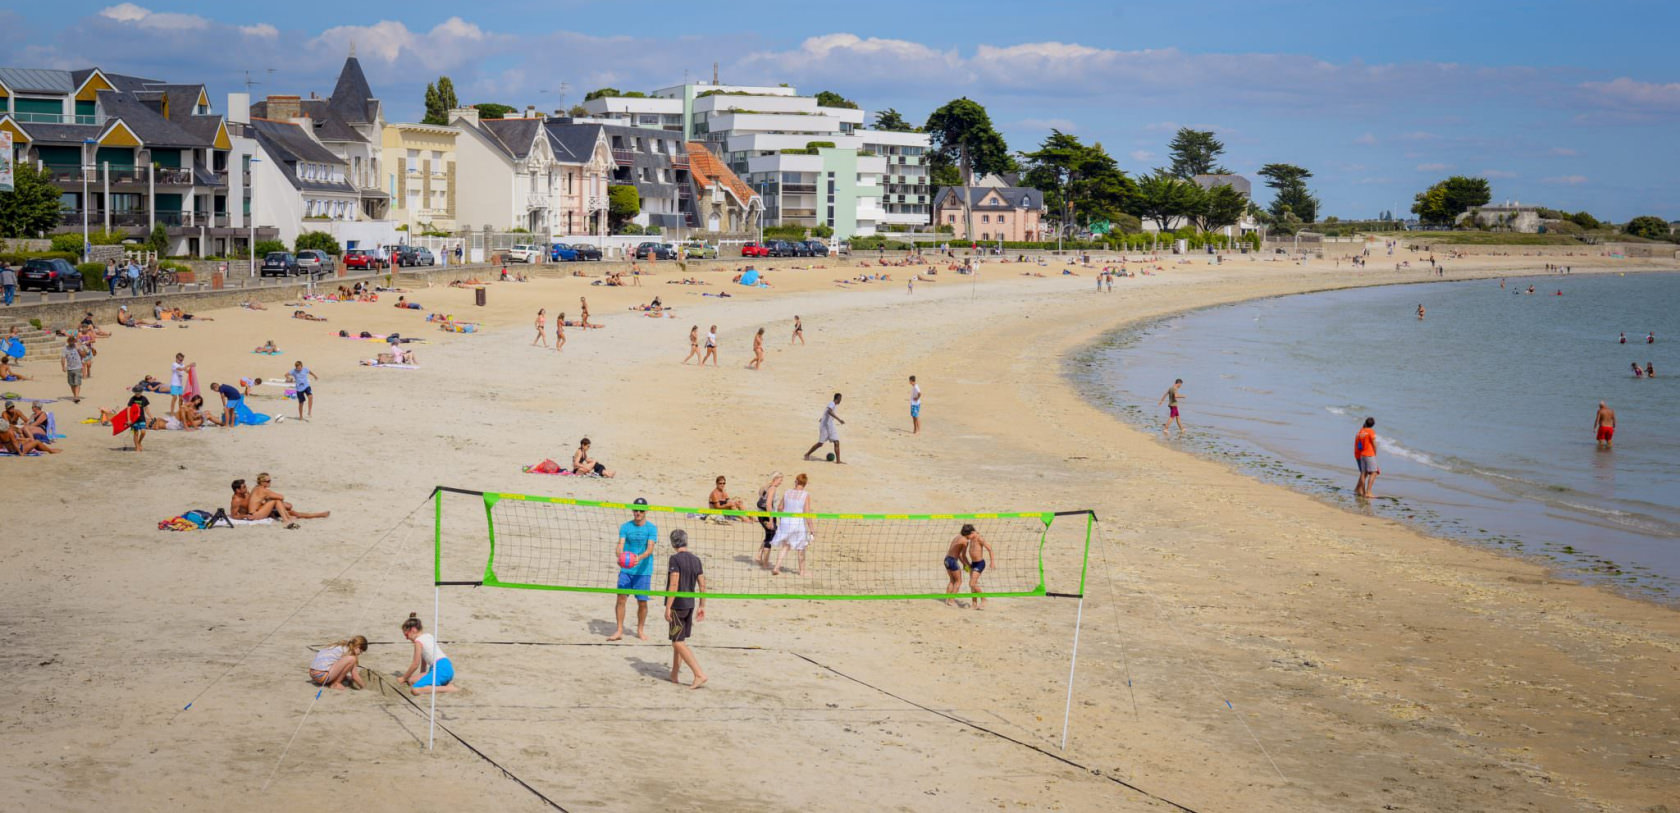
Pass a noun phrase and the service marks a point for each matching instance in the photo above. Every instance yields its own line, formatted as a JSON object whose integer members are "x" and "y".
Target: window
{"x": 125, "y": 202}
{"x": 1000, "y": 219}
{"x": 950, "y": 218}
{"x": 985, "y": 218}
{"x": 437, "y": 156}
{"x": 413, "y": 156}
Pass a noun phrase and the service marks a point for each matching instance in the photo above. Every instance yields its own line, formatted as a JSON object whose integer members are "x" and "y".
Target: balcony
{"x": 625, "y": 157}
{"x": 679, "y": 161}
{"x": 799, "y": 189}
{"x": 536, "y": 201}
{"x": 56, "y": 118}
{"x": 69, "y": 173}
{"x": 171, "y": 176}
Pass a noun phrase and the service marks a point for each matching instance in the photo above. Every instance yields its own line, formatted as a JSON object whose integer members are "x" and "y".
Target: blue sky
{"x": 1568, "y": 104}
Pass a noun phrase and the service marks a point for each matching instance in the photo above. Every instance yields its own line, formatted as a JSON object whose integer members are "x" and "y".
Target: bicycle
{"x": 166, "y": 276}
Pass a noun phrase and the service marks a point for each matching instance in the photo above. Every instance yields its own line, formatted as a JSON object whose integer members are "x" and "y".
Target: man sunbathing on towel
{"x": 127, "y": 319}
{"x": 307, "y": 315}
{"x": 266, "y": 502}
{"x": 8, "y": 374}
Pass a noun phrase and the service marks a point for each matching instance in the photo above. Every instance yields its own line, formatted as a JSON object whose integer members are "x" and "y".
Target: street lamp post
{"x": 87, "y": 162}
{"x": 252, "y": 216}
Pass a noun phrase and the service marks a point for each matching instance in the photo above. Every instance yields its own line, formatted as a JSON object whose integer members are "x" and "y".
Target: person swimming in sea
{"x": 1637, "y": 373}
{"x": 1621, "y": 339}
{"x": 1420, "y": 311}
{"x": 1650, "y": 370}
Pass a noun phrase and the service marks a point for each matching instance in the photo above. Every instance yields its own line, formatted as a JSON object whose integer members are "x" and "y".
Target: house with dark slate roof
{"x": 350, "y": 123}
{"x": 1007, "y": 213}
{"x": 129, "y": 154}
{"x": 513, "y": 178}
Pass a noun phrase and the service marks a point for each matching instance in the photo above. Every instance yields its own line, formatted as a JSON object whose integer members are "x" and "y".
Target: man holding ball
{"x": 636, "y": 539}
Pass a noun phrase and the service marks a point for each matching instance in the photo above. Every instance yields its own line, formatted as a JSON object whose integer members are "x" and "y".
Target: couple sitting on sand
{"x": 264, "y": 502}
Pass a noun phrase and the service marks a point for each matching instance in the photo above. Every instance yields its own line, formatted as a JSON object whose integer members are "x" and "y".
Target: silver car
{"x": 314, "y": 262}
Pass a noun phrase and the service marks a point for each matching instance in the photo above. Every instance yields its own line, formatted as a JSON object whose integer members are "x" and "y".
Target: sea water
{"x": 1484, "y": 408}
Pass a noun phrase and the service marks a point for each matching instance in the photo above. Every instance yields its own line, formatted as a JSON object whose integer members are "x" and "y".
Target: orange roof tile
{"x": 706, "y": 170}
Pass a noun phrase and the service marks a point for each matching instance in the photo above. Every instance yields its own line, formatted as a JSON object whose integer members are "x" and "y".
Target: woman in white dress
{"x": 793, "y": 532}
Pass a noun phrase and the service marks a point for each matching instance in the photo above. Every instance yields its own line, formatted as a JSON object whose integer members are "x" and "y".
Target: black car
{"x": 781, "y": 248}
{"x": 816, "y": 248}
{"x": 52, "y": 274}
{"x": 656, "y": 251}
{"x": 404, "y": 256}
{"x": 280, "y": 264}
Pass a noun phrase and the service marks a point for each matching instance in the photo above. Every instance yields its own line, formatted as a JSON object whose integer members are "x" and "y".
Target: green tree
{"x": 1069, "y": 172}
{"x": 31, "y": 208}
{"x": 890, "y": 121}
{"x": 1585, "y": 220}
{"x": 601, "y": 93}
{"x": 440, "y": 99}
{"x": 1220, "y": 206}
{"x": 623, "y": 203}
{"x": 963, "y": 137}
{"x": 319, "y": 241}
{"x": 158, "y": 240}
{"x": 1649, "y": 227}
{"x": 1290, "y": 183}
{"x": 1163, "y": 197}
{"x": 269, "y": 246}
{"x": 943, "y": 175}
{"x": 1442, "y": 203}
{"x": 578, "y": 111}
{"x": 492, "y": 110}
{"x": 829, "y": 98}
{"x": 1196, "y": 152}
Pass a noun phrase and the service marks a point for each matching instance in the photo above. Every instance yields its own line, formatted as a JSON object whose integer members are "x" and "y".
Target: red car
{"x": 754, "y": 250}
{"x": 362, "y": 258}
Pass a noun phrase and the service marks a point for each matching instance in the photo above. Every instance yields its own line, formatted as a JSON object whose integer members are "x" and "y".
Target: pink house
{"x": 1008, "y": 213}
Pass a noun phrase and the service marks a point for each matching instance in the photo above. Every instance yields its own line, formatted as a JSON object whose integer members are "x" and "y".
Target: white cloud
{"x": 263, "y": 30}
{"x": 1567, "y": 180}
{"x": 450, "y": 44}
{"x": 1433, "y": 167}
{"x": 153, "y": 20}
{"x": 1366, "y": 139}
{"x": 1142, "y": 156}
{"x": 1625, "y": 91}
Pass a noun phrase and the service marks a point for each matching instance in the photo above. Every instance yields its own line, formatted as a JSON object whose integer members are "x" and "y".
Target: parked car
{"x": 817, "y": 248}
{"x": 780, "y": 248}
{"x": 405, "y": 255}
{"x": 424, "y": 256}
{"x": 562, "y": 253}
{"x": 656, "y": 251}
{"x": 364, "y": 258}
{"x": 315, "y": 262}
{"x": 754, "y": 250}
{"x": 586, "y": 251}
{"x": 280, "y": 264}
{"x": 699, "y": 250}
{"x": 524, "y": 253}
{"x": 49, "y": 274}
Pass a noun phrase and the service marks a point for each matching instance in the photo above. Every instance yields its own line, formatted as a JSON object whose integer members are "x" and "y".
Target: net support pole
{"x": 431, "y": 717}
{"x": 1067, "y": 713}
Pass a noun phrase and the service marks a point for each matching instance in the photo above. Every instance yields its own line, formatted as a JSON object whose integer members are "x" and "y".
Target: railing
{"x": 679, "y": 161}
{"x": 624, "y": 156}
{"x": 73, "y": 217}
{"x": 63, "y": 173}
{"x": 169, "y": 176}
{"x": 56, "y": 118}
{"x": 799, "y": 189}
{"x": 536, "y": 201}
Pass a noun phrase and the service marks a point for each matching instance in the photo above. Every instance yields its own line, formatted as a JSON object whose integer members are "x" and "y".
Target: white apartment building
{"x": 855, "y": 181}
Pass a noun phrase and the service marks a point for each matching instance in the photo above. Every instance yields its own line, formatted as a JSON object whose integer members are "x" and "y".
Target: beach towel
{"x": 247, "y": 417}
{"x": 268, "y": 352}
{"x": 750, "y": 277}
{"x": 15, "y": 348}
{"x": 192, "y": 382}
{"x": 393, "y": 366}
{"x": 551, "y": 467}
{"x": 4, "y": 453}
{"x": 235, "y": 523}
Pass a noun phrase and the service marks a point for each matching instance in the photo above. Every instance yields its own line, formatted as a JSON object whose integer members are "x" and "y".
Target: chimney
{"x": 284, "y": 108}
{"x": 530, "y": 111}
{"x": 467, "y": 114}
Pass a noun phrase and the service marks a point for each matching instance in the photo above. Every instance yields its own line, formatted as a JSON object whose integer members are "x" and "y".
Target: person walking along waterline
{"x": 1171, "y": 399}
{"x": 1365, "y": 458}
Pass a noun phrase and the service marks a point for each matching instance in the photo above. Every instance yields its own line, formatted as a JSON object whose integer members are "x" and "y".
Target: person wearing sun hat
{"x": 635, "y": 571}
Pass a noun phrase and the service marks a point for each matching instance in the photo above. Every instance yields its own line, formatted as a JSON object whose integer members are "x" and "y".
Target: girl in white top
{"x": 439, "y": 673}
{"x": 335, "y": 665}
{"x": 793, "y": 532}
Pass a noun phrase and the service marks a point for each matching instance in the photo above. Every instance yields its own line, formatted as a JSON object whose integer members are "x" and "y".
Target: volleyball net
{"x": 564, "y": 544}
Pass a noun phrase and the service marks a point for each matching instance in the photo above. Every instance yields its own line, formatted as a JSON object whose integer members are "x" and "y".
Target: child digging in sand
{"x": 335, "y": 665}
{"x": 438, "y": 673}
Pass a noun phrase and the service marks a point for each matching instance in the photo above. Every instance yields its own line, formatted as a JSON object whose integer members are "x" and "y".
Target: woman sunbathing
{"x": 15, "y": 440}
{"x": 252, "y": 304}
{"x": 267, "y": 348}
{"x": 307, "y": 315}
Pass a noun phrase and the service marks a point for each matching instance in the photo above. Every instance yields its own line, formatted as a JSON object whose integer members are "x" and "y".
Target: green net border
{"x": 491, "y": 498}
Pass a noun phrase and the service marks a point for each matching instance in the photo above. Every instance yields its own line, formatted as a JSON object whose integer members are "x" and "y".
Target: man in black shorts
{"x": 687, "y": 575}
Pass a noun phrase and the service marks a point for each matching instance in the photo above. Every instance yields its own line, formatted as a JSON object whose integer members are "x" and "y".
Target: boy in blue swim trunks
{"x": 636, "y": 537}
{"x": 956, "y": 561}
{"x": 979, "y": 553}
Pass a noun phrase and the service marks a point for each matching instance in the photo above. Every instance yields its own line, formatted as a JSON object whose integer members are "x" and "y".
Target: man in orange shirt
{"x": 1365, "y": 454}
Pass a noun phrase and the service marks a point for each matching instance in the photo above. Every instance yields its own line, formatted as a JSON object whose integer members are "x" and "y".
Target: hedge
{"x": 93, "y": 276}
{"x": 18, "y": 257}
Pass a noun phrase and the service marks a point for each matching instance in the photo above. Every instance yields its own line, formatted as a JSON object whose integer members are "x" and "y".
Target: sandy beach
{"x": 1244, "y": 647}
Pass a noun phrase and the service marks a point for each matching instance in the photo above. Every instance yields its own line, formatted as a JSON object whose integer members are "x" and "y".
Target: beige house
{"x": 1007, "y": 213}
{"x": 420, "y": 175}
